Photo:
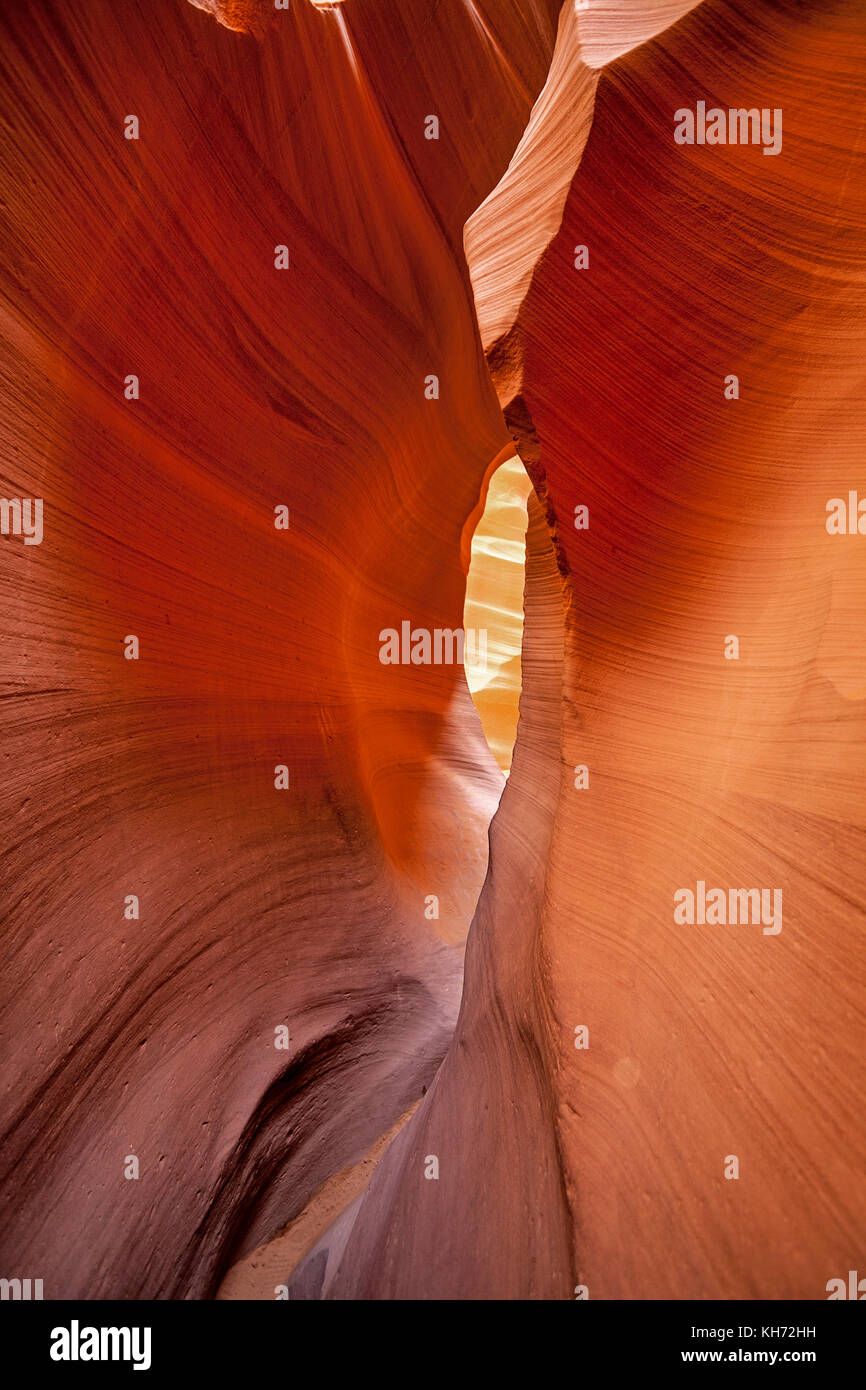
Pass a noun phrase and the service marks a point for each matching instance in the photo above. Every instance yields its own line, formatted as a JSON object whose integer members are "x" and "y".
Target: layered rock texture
{"x": 243, "y": 852}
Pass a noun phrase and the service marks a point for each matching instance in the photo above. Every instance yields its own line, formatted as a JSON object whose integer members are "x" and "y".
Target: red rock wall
{"x": 258, "y": 647}
{"x": 706, "y": 519}
{"x": 306, "y": 907}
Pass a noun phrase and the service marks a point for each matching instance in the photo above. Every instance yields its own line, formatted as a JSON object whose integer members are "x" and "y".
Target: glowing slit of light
{"x": 494, "y": 602}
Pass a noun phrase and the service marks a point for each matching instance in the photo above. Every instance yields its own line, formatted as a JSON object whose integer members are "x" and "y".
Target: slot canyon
{"x": 337, "y": 973}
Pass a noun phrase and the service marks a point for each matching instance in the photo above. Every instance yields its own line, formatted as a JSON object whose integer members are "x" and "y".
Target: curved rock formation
{"x": 242, "y": 858}
{"x": 308, "y": 908}
{"x": 709, "y": 1108}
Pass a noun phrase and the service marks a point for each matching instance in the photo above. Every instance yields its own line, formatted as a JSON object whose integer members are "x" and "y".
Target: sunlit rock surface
{"x": 493, "y": 611}
{"x": 315, "y": 907}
